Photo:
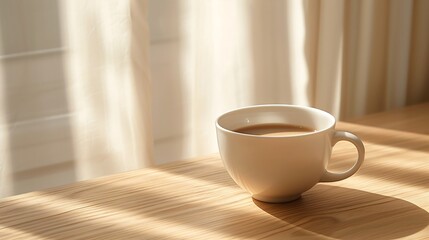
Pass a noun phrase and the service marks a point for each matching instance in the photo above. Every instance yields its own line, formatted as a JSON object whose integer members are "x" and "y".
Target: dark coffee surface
{"x": 274, "y": 130}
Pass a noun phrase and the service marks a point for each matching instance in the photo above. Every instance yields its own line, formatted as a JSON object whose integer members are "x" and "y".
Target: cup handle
{"x": 346, "y": 136}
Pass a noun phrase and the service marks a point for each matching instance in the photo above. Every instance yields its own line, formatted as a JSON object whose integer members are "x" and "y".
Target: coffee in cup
{"x": 274, "y": 129}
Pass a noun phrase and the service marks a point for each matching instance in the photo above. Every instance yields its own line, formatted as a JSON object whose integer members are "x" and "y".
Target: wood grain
{"x": 196, "y": 199}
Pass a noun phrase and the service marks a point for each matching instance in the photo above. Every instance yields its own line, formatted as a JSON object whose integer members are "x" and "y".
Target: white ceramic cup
{"x": 281, "y": 168}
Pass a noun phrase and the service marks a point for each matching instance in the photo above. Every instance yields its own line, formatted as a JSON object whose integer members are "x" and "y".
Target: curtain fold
{"x": 418, "y": 72}
{"x": 109, "y": 86}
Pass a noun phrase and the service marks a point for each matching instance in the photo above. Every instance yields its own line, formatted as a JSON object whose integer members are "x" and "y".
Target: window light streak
{"x": 186, "y": 182}
{"x": 79, "y": 211}
{"x": 6, "y": 233}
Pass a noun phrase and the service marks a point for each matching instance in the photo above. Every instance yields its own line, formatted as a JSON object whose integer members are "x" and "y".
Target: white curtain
{"x": 349, "y": 58}
{"x": 124, "y": 111}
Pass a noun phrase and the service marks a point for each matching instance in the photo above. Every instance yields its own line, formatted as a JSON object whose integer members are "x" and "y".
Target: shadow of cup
{"x": 340, "y": 212}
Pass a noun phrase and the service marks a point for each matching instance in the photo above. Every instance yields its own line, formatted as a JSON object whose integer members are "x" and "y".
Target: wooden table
{"x": 388, "y": 198}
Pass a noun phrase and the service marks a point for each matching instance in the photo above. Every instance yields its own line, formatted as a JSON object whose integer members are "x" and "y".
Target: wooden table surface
{"x": 196, "y": 199}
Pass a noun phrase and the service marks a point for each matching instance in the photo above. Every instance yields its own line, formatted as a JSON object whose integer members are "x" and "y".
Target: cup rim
{"x": 332, "y": 125}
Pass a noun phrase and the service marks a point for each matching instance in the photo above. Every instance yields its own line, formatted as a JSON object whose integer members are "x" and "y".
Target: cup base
{"x": 277, "y": 200}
